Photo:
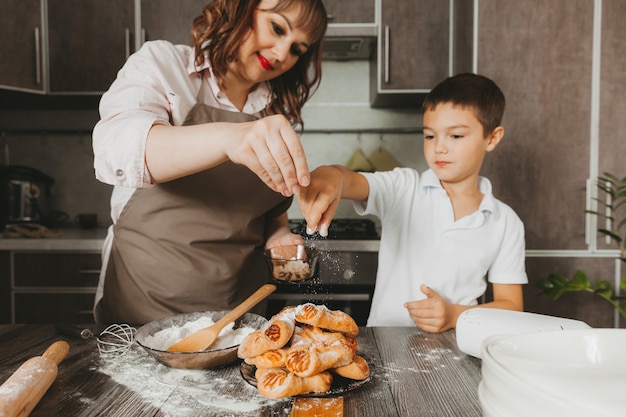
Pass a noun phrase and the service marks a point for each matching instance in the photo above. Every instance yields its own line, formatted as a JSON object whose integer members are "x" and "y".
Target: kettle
{"x": 24, "y": 194}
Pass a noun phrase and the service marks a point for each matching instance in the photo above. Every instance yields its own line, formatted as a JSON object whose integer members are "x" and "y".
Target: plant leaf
{"x": 579, "y": 282}
{"x": 604, "y": 289}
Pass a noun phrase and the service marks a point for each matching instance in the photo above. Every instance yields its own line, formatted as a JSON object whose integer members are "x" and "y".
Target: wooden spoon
{"x": 204, "y": 338}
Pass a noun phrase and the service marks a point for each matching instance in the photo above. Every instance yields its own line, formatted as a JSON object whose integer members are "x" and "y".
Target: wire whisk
{"x": 116, "y": 338}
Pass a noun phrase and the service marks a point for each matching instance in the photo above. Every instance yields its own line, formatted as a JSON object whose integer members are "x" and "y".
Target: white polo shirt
{"x": 421, "y": 243}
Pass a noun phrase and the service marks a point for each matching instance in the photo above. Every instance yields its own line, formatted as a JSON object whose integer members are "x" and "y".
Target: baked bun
{"x": 308, "y": 360}
{"x": 321, "y": 316}
{"x": 270, "y": 359}
{"x": 274, "y": 335}
{"x": 305, "y": 335}
{"x": 357, "y": 369}
{"x": 279, "y": 383}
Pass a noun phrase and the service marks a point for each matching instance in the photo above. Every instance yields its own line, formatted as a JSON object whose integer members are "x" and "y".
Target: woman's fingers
{"x": 272, "y": 150}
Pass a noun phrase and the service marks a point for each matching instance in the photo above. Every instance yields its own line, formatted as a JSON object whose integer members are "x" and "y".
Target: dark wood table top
{"x": 414, "y": 374}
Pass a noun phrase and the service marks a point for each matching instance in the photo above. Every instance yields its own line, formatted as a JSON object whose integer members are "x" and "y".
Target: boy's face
{"x": 454, "y": 142}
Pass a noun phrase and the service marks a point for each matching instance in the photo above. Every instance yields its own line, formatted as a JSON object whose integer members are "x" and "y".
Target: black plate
{"x": 339, "y": 386}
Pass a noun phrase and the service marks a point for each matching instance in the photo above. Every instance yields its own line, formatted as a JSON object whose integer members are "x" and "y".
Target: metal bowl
{"x": 202, "y": 359}
{"x": 292, "y": 263}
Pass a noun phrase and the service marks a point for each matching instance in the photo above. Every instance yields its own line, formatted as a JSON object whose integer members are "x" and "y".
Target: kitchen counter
{"x": 75, "y": 239}
{"x": 414, "y": 374}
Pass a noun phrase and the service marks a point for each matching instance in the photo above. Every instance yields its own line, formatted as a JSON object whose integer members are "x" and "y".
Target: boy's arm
{"x": 434, "y": 314}
{"x": 329, "y": 184}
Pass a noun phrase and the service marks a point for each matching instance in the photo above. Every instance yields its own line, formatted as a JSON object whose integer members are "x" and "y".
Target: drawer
{"x": 56, "y": 269}
{"x": 45, "y": 308}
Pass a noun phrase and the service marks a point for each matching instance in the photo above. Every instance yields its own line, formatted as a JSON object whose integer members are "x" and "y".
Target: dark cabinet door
{"x": 612, "y": 124}
{"x": 89, "y": 41}
{"x": 164, "y": 19}
{"x": 54, "y": 287}
{"x": 21, "y": 41}
{"x": 350, "y": 11}
{"x": 415, "y": 56}
{"x": 540, "y": 54}
{"x": 414, "y": 50}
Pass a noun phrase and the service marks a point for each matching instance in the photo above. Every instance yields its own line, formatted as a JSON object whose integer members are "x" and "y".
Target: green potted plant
{"x": 555, "y": 285}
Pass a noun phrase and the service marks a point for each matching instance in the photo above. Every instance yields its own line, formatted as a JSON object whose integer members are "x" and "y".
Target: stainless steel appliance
{"x": 347, "y": 273}
{"x": 24, "y": 194}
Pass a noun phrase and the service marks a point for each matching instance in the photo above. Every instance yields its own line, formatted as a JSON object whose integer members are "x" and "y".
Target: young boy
{"x": 443, "y": 232}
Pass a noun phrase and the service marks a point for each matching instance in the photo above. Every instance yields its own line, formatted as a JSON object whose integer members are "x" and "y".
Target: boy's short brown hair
{"x": 473, "y": 91}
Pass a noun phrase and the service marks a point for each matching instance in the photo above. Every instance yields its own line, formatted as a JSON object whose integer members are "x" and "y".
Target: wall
{"x": 58, "y": 142}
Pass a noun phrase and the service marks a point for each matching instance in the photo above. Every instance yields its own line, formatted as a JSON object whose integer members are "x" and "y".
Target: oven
{"x": 346, "y": 270}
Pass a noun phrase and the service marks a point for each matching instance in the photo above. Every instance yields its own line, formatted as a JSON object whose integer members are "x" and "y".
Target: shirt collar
{"x": 487, "y": 205}
{"x": 258, "y": 99}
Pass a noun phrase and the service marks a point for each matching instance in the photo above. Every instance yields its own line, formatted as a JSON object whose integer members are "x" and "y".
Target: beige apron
{"x": 192, "y": 244}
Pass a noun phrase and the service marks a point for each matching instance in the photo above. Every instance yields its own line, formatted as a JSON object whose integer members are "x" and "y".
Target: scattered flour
{"x": 181, "y": 393}
{"x": 228, "y": 337}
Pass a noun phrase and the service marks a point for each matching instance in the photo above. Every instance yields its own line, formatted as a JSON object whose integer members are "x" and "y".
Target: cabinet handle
{"x": 143, "y": 35}
{"x": 329, "y": 17}
{"x": 386, "y": 56}
{"x": 126, "y": 43}
{"x": 37, "y": 57}
{"x": 587, "y": 215}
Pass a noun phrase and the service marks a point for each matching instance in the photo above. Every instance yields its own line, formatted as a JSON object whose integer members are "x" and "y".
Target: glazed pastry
{"x": 274, "y": 335}
{"x": 279, "y": 383}
{"x": 321, "y": 316}
{"x": 269, "y": 359}
{"x": 305, "y": 334}
{"x": 357, "y": 369}
{"x": 308, "y": 360}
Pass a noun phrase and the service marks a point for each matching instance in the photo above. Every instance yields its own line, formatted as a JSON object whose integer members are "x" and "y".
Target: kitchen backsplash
{"x": 338, "y": 118}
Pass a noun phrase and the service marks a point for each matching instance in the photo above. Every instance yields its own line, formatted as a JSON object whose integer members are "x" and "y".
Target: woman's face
{"x": 274, "y": 44}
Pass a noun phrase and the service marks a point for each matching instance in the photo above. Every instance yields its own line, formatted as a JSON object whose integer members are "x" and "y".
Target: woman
{"x": 199, "y": 144}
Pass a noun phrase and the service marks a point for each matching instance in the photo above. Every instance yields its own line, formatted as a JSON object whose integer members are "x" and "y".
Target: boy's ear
{"x": 494, "y": 138}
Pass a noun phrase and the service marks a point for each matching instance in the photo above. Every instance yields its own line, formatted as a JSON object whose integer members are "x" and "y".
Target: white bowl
{"x": 583, "y": 368}
{"x": 504, "y": 394}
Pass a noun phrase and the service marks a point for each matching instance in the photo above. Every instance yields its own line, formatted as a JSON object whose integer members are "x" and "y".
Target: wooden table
{"x": 414, "y": 374}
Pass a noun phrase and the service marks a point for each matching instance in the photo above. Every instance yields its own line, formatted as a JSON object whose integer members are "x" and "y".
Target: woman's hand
{"x": 283, "y": 238}
{"x": 271, "y": 149}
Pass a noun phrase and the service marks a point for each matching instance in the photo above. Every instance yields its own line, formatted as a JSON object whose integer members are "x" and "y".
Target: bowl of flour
{"x": 156, "y": 336}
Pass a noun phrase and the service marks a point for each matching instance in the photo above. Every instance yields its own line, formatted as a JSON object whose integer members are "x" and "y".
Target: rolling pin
{"x": 22, "y": 391}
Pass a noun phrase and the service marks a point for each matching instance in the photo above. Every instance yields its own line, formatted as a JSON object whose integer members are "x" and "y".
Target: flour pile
{"x": 228, "y": 337}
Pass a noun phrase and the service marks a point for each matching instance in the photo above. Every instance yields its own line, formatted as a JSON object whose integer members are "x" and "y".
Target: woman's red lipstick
{"x": 264, "y": 63}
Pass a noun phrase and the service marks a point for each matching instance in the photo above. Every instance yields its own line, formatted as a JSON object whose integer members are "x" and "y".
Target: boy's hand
{"x": 319, "y": 201}
{"x": 434, "y": 314}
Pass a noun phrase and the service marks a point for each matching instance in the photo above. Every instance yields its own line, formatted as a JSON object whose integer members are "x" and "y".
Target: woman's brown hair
{"x": 225, "y": 24}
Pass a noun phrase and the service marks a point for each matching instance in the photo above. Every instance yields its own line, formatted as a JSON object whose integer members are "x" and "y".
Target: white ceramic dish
{"x": 583, "y": 370}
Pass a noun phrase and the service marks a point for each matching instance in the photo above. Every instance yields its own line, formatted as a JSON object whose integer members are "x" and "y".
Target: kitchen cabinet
{"x": 540, "y": 54}
{"x": 21, "y": 43}
{"x": 349, "y": 11}
{"x": 164, "y": 19}
{"x": 416, "y": 48}
{"x": 52, "y": 286}
{"x": 88, "y": 42}
{"x": 612, "y": 124}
